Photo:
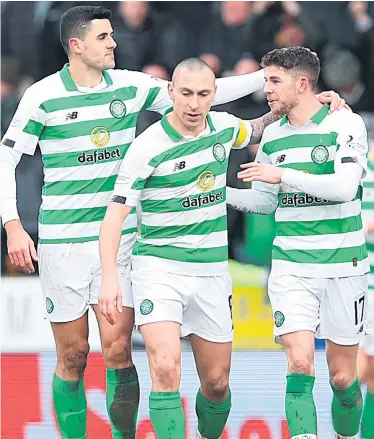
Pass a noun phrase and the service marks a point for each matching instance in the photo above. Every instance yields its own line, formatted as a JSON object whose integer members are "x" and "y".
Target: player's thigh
{"x": 65, "y": 273}
{"x": 295, "y": 303}
{"x": 123, "y": 270}
{"x": 162, "y": 341}
{"x": 208, "y": 312}
{"x": 157, "y": 297}
{"x": 344, "y": 310}
{"x": 213, "y": 363}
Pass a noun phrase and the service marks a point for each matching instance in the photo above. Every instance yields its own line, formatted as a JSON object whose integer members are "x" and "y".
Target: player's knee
{"x": 342, "y": 379}
{"x": 166, "y": 370}
{"x": 216, "y": 388}
{"x": 301, "y": 365}
{"x": 117, "y": 353}
{"x": 74, "y": 359}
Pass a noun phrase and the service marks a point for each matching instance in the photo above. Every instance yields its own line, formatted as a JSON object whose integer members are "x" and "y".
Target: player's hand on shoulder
{"x": 21, "y": 248}
{"x": 260, "y": 172}
{"x": 110, "y": 300}
{"x": 334, "y": 99}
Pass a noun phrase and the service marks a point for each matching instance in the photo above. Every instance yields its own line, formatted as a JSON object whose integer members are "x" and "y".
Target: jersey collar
{"x": 69, "y": 82}
{"x": 173, "y": 133}
{"x": 317, "y": 118}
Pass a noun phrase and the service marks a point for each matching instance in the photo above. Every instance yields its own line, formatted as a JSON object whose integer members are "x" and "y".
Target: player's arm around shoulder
{"x": 152, "y": 91}
{"x": 261, "y": 123}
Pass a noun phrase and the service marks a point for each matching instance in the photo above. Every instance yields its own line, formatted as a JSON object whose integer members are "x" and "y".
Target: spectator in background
{"x": 224, "y": 43}
{"x": 137, "y": 30}
{"x": 281, "y": 24}
{"x": 19, "y": 35}
{"x": 344, "y": 24}
{"x": 364, "y": 24}
{"x": 341, "y": 71}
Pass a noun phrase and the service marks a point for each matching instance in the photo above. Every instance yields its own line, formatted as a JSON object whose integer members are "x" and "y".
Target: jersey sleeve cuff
{"x": 8, "y": 211}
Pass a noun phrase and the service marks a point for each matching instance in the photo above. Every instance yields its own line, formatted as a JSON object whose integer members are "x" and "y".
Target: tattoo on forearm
{"x": 259, "y": 124}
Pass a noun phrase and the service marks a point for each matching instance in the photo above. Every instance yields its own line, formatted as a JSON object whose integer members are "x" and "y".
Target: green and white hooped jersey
{"x": 316, "y": 237}
{"x": 83, "y": 134}
{"x": 368, "y": 215}
{"x": 181, "y": 185}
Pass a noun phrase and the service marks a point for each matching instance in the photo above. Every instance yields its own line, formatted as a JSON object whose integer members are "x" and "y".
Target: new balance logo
{"x": 72, "y": 115}
{"x": 179, "y": 165}
{"x": 280, "y": 159}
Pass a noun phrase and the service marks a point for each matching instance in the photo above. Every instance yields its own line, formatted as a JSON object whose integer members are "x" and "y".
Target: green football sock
{"x": 71, "y": 407}
{"x": 167, "y": 415}
{"x": 346, "y": 409}
{"x": 122, "y": 401}
{"x": 367, "y": 423}
{"x": 300, "y": 408}
{"x": 212, "y": 416}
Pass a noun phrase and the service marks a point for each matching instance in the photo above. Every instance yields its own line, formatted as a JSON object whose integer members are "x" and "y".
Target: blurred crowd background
{"x": 230, "y": 36}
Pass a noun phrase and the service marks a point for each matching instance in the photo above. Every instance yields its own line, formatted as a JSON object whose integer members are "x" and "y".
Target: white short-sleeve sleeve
{"x": 27, "y": 124}
{"x": 353, "y": 143}
{"x": 135, "y": 170}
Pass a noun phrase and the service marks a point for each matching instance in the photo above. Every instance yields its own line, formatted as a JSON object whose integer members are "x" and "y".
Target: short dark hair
{"x": 299, "y": 60}
{"x": 75, "y": 22}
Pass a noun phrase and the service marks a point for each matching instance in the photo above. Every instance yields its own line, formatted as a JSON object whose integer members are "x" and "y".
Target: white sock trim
{"x": 200, "y": 436}
{"x": 339, "y": 436}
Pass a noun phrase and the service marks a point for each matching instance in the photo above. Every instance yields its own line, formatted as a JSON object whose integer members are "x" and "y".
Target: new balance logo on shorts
{"x": 179, "y": 165}
{"x": 280, "y": 159}
{"x": 72, "y": 115}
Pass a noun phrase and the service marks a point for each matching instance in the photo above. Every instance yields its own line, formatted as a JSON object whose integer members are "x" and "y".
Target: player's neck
{"x": 84, "y": 75}
{"x": 303, "y": 111}
{"x": 182, "y": 129}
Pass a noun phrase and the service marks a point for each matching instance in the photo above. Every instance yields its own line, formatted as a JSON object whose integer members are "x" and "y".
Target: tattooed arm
{"x": 258, "y": 126}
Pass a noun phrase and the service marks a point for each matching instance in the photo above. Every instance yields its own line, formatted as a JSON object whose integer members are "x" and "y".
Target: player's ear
{"x": 215, "y": 91}
{"x": 171, "y": 91}
{"x": 303, "y": 84}
{"x": 75, "y": 45}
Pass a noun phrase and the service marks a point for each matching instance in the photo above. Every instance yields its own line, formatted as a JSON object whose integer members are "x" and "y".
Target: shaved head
{"x": 192, "y": 91}
{"x": 191, "y": 65}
